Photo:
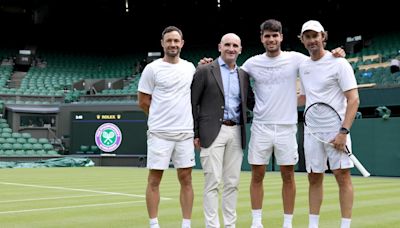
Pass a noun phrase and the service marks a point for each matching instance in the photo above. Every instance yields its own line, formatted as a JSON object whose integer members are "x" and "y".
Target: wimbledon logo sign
{"x": 108, "y": 137}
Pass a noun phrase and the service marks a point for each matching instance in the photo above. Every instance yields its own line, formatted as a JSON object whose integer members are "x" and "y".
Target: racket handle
{"x": 359, "y": 166}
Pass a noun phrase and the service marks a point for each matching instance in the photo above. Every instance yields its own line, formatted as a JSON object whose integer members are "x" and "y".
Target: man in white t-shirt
{"x": 274, "y": 126}
{"x": 329, "y": 80}
{"x": 164, "y": 94}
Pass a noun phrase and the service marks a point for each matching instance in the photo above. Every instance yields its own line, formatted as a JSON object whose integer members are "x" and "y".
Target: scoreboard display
{"x": 112, "y": 132}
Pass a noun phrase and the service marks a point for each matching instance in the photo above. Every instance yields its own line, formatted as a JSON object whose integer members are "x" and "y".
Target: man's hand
{"x": 339, "y": 142}
{"x": 339, "y": 52}
{"x": 205, "y": 60}
{"x": 196, "y": 143}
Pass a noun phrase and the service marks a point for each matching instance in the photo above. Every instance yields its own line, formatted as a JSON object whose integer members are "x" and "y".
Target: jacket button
{"x": 222, "y": 107}
{"x": 220, "y": 120}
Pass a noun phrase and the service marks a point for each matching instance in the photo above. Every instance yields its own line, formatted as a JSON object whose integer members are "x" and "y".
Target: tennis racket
{"x": 321, "y": 117}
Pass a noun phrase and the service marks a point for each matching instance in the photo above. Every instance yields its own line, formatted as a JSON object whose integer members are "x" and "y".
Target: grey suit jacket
{"x": 208, "y": 102}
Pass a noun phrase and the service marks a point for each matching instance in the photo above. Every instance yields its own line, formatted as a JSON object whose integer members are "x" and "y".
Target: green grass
{"x": 114, "y": 197}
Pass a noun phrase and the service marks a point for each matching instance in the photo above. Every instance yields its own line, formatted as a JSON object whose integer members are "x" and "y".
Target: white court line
{"x": 68, "y": 207}
{"x": 80, "y": 190}
{"x": 49, "y": 198}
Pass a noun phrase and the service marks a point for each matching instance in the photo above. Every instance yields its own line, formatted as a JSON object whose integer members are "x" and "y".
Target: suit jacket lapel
{"x": 241, "y": 81}
{"x": 216, "y": 72}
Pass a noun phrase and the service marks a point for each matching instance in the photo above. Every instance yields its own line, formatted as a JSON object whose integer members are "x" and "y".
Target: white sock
{"x": 256, "y": 216}
{"x": 154, "y": 223}
{"x": 345, "y": 223}
{"x": 313, "y": 221}
{"x": 186, "y": 223}
{"x": 287, "y": 221}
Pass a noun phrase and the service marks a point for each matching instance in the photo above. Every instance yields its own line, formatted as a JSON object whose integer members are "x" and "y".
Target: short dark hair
{"x": 271, "y": 25}
{"x": 171, "y": 29}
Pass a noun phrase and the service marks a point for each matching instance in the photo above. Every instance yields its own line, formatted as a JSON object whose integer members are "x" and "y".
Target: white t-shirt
{"x": 326, "y": 80}
{"x": 169, "y": 87}
{"x": 275, "y": 86}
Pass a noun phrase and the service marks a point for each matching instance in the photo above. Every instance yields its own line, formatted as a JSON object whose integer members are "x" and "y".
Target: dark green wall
{"x": 376, "y": 143}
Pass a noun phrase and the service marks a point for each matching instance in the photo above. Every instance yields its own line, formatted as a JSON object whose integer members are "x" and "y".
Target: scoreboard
{"x": 112, "y": 132}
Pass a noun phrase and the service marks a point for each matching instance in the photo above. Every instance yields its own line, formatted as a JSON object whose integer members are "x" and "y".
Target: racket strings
{"x": 322, "y": 118}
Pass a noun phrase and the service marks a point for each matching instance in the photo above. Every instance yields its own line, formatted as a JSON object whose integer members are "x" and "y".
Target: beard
{"x": 272, "y": 48}
{"x": 172, "y": 53}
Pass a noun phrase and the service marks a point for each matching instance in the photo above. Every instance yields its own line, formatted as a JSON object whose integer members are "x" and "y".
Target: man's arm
{"x": 301, "y": 100}
{"x": 353, "y": 101}
{"x": 250, "y": 102}
{"x": 144, "y": 102}
{"x": 301, "y": 96}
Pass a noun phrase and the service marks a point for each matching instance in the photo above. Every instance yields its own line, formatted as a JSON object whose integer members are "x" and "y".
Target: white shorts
{"x": 161, "y": 151}
{"x": 279, "y": 139}
{"x": 317, "y": 154}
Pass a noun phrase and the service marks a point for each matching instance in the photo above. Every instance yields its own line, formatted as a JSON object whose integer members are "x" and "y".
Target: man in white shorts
{"x": 164, "y": 94}
{"x": 274, "y": 124}
{"x": 329, "y": 80}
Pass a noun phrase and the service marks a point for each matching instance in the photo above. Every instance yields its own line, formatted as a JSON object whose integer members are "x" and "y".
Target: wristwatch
{"x": 344, "y": 130}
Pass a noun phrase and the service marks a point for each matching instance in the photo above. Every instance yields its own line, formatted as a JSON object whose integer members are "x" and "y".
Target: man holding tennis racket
{"x": 329, "y": 90}
{"x": 274, "y": 126}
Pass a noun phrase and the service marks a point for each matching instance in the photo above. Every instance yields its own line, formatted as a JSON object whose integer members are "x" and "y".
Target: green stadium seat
{"x": 9, "y": 152}
{"x": 17, "y": 146}
{"x": 11, "y": 140}
{"x": 47, "y": 146}
{"x": 6, "y": 146}
{"x": 43, "y": 140}
{"x": 5, "y": 135}
{"x": 16, "y": 135}
{"x": 7, "y": 130}
{"x": 32, "y": 140}
{"x": 30, "y": 153}
{"x": 26, "y": 135}
{"x": 20, "y": 153}
{"x": 21, "y": 140}
{"x": 52, "y": 152}
{"x": 37, "y": 146}
{"x": 41, "y": 152}
{"x": 84, "y": 148}
{"x": 95, "y": 149}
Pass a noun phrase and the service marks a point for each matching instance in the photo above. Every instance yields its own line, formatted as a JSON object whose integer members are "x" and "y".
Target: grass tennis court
{"x": 114, "y": 197}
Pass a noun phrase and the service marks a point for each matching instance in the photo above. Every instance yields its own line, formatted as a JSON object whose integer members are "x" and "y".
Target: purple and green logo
{"x": 108, "y": 137}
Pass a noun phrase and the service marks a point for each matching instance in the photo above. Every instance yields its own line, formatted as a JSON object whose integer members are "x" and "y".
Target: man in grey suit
{"x": 221, "y": 94}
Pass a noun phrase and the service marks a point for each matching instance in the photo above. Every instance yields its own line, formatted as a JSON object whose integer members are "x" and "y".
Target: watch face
{"x": 344, "y": 130}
